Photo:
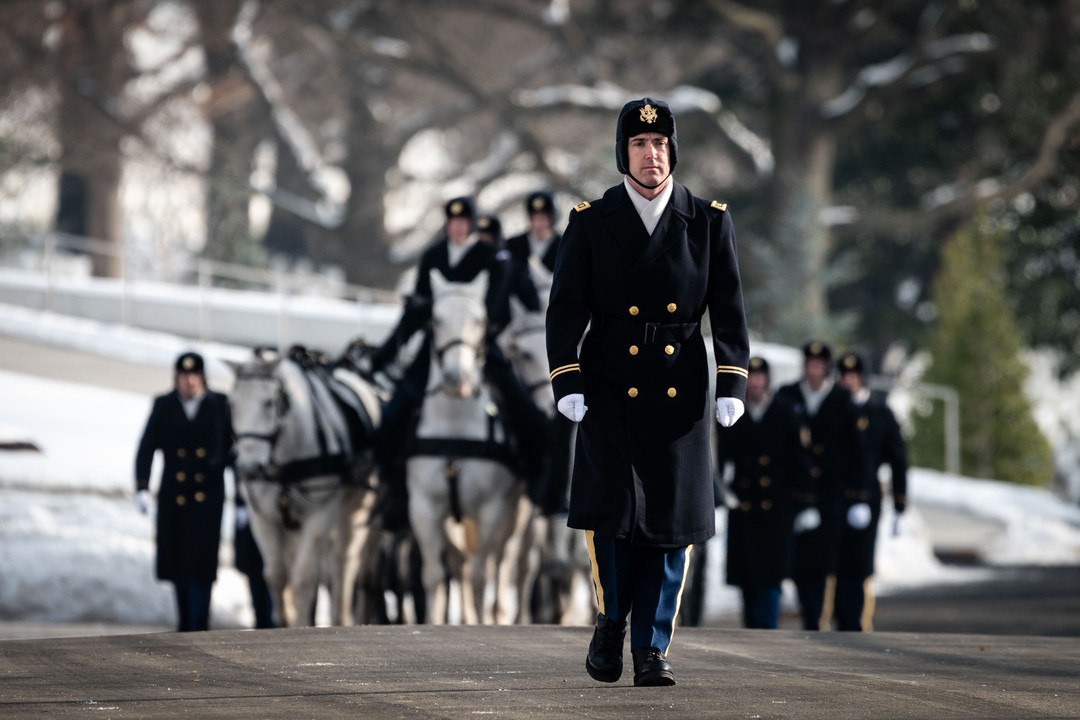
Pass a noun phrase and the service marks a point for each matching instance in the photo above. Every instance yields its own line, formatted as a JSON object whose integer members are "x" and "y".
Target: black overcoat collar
{"x": 641, "y": 249}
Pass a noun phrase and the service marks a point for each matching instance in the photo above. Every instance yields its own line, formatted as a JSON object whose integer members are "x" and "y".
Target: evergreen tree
{"x": 976, "y": 348}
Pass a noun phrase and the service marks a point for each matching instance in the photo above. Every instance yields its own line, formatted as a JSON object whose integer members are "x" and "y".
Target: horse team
{"x": 305, "y": 427}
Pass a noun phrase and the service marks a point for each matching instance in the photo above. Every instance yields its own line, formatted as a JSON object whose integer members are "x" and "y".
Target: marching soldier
{"x": 767, "y": 459}
{"x": 640, "y": 267}
{"x": 460, "y": 256}
{"x": 192, "y": 427}
{"x": 831, "y": 448}
{"x": 881, "y": 443}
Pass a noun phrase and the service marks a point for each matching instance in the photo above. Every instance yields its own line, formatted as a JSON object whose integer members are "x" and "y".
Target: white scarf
{"x": 456, "y": 252}
{"x": 191, "y": 405}
{"x": 814, "y": 398}
{"x": 649, "y": 210}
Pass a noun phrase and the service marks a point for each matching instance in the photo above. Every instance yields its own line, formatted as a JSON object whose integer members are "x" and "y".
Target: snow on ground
{"x": 73, "y": 547}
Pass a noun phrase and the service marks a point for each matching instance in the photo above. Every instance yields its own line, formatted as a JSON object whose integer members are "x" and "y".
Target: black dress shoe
{"x": 604, "y": 661}
{"x": 651, "y": 668}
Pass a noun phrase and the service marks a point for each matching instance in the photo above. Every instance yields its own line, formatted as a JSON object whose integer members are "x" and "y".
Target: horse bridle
{"x": 530, "y": 330}
{"x": 441, "y": 350}
{"x": 281, "y": 408}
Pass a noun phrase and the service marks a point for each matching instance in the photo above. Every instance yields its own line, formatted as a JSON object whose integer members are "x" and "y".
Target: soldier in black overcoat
{"x": 459, "y": 256}
{"x": 768, "y": 465}
{"x": 192, "y": 427}
{"x": 832, "y": 453}
{"x": 540, "y": 239}
{"x": 882, "y": 443}
{"x": 639, "y": 267}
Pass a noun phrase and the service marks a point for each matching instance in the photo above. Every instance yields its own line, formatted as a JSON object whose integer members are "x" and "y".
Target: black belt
{"x": 648, "y": 333}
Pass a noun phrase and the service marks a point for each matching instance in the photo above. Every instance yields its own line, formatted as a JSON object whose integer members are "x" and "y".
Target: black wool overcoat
{"x": 833, "y": 455}
{"x": 768, "y": 465}
{"x": 192, "y": 493}
{"x": 643, "y": 462}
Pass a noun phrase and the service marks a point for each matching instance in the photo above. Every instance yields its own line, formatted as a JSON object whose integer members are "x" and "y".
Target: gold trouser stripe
{"x": 678, "y": 602}
{"x": 732, "y": 370}
{"x": 828, "y": 604}
{"x": 869, "y": 601}
{"x": 565, "y": 369}
{"x": 595, "y": 572}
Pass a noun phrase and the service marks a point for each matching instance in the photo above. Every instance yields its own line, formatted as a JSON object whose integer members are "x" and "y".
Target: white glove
{"x": 808, "y": 519}
{"x": 858, "y": 516}
{"x": 898, "y": 525}
{"x": 573, "y": 406}
{"x": 729, "y": 410}
{"x": 142, "y": 502}
{"x": 242, "y": 518}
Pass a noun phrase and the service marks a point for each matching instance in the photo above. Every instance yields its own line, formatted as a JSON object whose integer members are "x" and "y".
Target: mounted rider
{"x": 459, "y": 256}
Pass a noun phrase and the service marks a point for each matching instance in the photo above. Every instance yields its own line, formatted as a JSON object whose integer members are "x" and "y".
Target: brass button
{"x": 200, "y": 452}
{"x": 634, "y": 310}
{"x": 632, "y": 392}
{"x": 765, "y": 481}
{"x": 672, "y": 392}
{"x": 764, "y": 460}
{"x": 669, "y": 349}
{"x": 181, "y": 453}
{"x": 815, "y": 472}
{"x": 633, "y": 349}
{"x": 672, "y": 307}
{"x": 766, "y": 504}
{"x": 181, "y": 500}
{"x": 819, "y": 449}
{"x": 200, "y": 496}
{"x": 744, "y": 506}
{"x": 199, "y": 477}
{"x": 181, "y": 476}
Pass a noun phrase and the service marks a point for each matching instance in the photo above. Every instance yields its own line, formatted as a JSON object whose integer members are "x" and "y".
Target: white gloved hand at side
{"x": 573, "y": 406}
{"x": 142, "y": 502}
{"x": 729, "y": 410}
{"x": 858, "y": 516}
{"x": 242, "y": 518}
{"x": 808, "y": 519}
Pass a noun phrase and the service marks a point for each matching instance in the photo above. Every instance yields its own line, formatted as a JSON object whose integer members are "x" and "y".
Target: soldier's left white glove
{"x": 142, "y": 502}
{"x": 573, "y": 406}
{"x": 729, "y": 410}
{"x": 242, "y": 518}
{"x": 858, "y": 516}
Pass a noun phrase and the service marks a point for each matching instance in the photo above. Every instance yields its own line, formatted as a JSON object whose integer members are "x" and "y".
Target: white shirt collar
{"x": 191, "y": 405}
{"x": 455, "y": 252}
{"x": 649, "y": 210}
{"x": 814, "y": 398}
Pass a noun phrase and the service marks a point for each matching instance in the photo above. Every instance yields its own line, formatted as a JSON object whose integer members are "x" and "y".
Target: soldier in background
{"x": 767, "y": 460}
{"x": 489, "y": 229}
{"x": 832, "y": 455}
{"x": 541, "y": 239}
{"x": 192, "y": 427}
{"x": 460, "y": 256}
{"x": 881, "y": 443}
{"x": 248, "y": 560}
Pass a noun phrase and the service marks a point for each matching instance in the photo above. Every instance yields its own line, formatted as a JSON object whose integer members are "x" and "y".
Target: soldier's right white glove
{"x": 142, "y": 502}
{"x": 808, "y": 519}
{"x": 573, "y": 406}
{"x": 858, "y": 516}
{"x": 242, "y": 518}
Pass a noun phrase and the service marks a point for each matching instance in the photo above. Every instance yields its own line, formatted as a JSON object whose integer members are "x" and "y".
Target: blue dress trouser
{"x": 644, "y": 583}
{"x": 761, "y": 606}
{"x": 193, "y": 605}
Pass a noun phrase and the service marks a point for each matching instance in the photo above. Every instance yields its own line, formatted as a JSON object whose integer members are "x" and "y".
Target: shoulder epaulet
{"x": 717, "y": 205}
{"x": 583, "y": 205}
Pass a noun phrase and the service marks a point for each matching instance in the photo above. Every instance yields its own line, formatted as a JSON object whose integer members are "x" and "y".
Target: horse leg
{"x": 516, "y": 566}
{"x": 427, "y": 509}
{"x": 495, "y": 521}
{"x": 270, "y": 537}
{"x": 304, "y": 568}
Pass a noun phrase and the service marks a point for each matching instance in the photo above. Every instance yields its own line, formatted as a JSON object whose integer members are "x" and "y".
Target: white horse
{"x": 550, "y": 551}
{"x": 458, "y": 483}
{"x": 306, "y": 484}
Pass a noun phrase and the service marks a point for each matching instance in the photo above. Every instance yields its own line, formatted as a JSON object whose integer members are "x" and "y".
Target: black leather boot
{"x": 651, "y": 668}
{"x": 604, "y": 661}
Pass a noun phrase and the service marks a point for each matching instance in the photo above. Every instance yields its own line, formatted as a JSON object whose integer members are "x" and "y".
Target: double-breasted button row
{"x": 745, "y": 505}
{"x": 182, "y": 452}
{"x": 668, "y": 349}
{"x": 633, "y": 392}
{"x": 182, "y": 476}
{"x": 634, "y": 309}
{"x": 182, "y": 500}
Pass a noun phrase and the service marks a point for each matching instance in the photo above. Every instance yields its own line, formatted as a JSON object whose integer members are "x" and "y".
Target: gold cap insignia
{"x": 755, "y": 363}
{"x": 815, "y": 348}
{"x": 648, "y": 114}
{"x": 484, "y": 223}
{"x": 538, "y": 203}
{"x": 850, "y": 361}
{"x": 189, "y": 363}
{"x": 456, "y": 208}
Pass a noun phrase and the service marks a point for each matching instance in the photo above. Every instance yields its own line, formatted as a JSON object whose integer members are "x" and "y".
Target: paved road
{"x": 535, "y": 672}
